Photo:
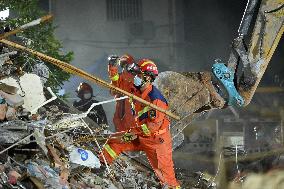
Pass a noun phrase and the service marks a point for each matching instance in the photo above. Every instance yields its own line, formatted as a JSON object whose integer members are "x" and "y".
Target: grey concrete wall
{"x": 83, "y": 28}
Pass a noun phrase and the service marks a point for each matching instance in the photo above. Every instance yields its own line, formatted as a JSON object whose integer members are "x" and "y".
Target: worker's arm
{"x": 114, "y": 77}
{"x": 113, "y": 74}
{"x": 113, "y": 69}
{"x": 154, "y": 119}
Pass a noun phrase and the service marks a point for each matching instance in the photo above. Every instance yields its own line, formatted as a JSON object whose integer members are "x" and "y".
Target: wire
{"x": 17, "y": 162}
{"x": 104, "y": 102}
{"x": 218, "y": 168}
{"x": 15, "y": 144}
{"x": 53, "y": 97}
{"x": 275, "y": 10}
{"x": 237, "y": 159}
{"x": 105, "y": 161}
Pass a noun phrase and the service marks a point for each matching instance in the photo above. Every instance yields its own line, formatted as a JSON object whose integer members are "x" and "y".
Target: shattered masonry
{"x": 53, "y": 147}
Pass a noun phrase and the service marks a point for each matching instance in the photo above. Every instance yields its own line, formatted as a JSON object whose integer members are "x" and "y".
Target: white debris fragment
{"x": 84, "y": 157}
{"x": 30, "y": 24}
{"x": 54, "y": 97}
{"x": 30, "y": 88}
{"x": 11, "y": 113}
{"x": 14, "y": 100}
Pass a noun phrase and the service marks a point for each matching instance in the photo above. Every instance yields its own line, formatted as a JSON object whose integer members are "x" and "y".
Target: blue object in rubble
{"x": 83, "y": 153}
{"x": 226, "y": 77}
{"x": 2, "y": 100}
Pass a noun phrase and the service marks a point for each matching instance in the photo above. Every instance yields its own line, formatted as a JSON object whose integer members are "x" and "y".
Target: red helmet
{"x": 84, "y": 88}
{"x": 148, "y": 66}
{"x": 126, "y": 59}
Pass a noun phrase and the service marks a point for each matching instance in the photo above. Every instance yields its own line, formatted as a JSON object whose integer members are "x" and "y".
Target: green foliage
{"x": 40, "y": 38}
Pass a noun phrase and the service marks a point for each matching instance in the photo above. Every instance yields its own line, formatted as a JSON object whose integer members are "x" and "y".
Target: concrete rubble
{"x": 45, "y": 144}
{"x": 189, "y": 95}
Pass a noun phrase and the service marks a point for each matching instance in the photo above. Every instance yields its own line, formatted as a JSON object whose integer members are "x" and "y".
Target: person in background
{"x": 85, "y": 94}
{"x": 123, "y": 117}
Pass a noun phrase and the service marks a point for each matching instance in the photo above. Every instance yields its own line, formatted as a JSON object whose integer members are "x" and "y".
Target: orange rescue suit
{"x": 154, "y": 138}
{"x": 123, "y": 118}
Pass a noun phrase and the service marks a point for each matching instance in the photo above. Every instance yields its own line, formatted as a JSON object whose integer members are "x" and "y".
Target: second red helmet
{"x": 126, "y": 59}
{"x": 148, "y": 66}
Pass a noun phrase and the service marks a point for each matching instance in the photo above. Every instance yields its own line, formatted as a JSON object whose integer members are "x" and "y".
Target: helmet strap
{"x": 148, "y": 78}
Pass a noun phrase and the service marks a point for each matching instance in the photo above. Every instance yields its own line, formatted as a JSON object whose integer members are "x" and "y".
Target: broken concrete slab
{"x": 14, "y": 100}
{"x": 23, "y": 125}
{"x": 31, "y": 89}
{"x": 188, "y": 92}
{"x": 8, "y": 88}
{"x": 10, "y": 137}
{"x": 188, "y": 95}
{"x": 11, "y": 113}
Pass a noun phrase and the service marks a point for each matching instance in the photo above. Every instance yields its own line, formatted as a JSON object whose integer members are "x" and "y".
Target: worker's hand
{"x": 122, "y": 63}
{"x": 133, "y": 69}
{"x": 129, "y": 136}
{"x": 113, "y": 60}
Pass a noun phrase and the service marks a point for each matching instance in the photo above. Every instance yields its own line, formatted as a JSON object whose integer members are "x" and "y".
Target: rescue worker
{"x": 123, "y": 118}
{"x": 151, "y": 130}
{"x": 85, "y": 93}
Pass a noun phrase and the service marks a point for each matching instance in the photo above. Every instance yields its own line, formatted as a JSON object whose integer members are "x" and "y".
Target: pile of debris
{"x": 271, "y": 180}
{"x": 47, "y": 144}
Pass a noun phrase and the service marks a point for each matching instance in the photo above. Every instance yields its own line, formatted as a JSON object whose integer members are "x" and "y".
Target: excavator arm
{"x": 228, "y": 84}
{"x": 267, "y": 31}
{"x": 240, "y": 83}
{"x": 266, "y": 35}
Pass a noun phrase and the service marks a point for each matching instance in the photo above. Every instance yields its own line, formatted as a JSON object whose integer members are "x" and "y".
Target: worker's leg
{"x": 160, "y": 158}
{"x": 113, "y": 148}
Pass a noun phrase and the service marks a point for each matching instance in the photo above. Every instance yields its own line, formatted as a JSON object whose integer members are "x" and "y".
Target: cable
{"x": 237, "y": 159}
{"x": 15, "y": 144}
{"x": 53, "y": 97}
{"x": 17, "y": 162}
{"x": 218, "y": 168}
{"x": 275, "y": 10}
{"x": 105, "y": 161}
{"x": 104, "y": 102}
